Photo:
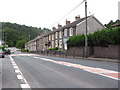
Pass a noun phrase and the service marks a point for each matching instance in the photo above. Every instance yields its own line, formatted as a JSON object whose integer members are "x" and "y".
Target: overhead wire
{"x": 67, "y": 14}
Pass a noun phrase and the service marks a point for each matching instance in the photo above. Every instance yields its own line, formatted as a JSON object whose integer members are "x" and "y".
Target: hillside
{"x": 17, "y": 35}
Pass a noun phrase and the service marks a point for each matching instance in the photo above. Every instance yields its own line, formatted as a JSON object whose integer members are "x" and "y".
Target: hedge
{"x": 103, "y": 37}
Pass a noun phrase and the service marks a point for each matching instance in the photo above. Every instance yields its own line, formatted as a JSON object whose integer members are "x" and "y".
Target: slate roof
{"x": 70, "y": 25}
{"x": 116, "y": 24}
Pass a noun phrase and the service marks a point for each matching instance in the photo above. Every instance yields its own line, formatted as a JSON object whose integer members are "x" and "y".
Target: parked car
{"x": 7, "y": 51}
{"x": 2, "y": 54}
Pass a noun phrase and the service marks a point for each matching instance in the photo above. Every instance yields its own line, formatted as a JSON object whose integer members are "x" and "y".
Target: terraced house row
{"x": 58, "y": 37}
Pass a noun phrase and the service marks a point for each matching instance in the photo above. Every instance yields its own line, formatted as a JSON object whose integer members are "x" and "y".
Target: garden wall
{"x": 107, "y": 52}
{"x": 112, "y": 51}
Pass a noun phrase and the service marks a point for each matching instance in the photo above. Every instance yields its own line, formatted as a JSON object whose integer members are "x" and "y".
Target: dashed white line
{"x": 16, "y": 67}
{"x": 19, "y": 74}
{"x": 17, "y": 71}
{"x": 24, "y": 86}
{"x": 14, "y": 64}
{"x": 19, "y": 77}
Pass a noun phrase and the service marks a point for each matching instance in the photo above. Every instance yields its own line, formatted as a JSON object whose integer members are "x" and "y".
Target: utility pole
{"x": 86, "y": 36}
{"x": 3, "y": 35}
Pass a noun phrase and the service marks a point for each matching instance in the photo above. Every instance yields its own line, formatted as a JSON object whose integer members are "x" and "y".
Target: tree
{"x": 21, "y": 44}
{"x": 15, "y": 32}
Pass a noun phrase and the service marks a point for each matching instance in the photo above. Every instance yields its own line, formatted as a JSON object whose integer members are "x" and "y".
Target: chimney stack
{"x": 54, "y": 28}
{"x": 77, "y": 17}
{"x": 59, "y": 25}
{"x": 67, "y": 22}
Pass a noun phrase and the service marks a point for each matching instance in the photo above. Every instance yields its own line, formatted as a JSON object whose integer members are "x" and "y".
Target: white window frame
{"x": 53, "y": 36}
{"x": 56, "y": 43}
{"x": 49, "y": 37}
{"x": 52, "y": 44}
{"x": 56, "y": 35}
{"x": 60, "y": 34}
{"x": 71, "y": 32}
{"x": 60, "y": 43}
{"x": 65, "y": 32}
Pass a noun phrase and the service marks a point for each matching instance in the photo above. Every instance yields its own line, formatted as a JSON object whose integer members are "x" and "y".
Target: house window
{"x": 52, "y": 36}
{"x": 60, "y": 34}
{"x": 56, "y": 35}
{"x": 71, "y": 32}
{"x": 49, "y": 37}
{"x": 52, "y": 44}
{"x": 65, "y": 32}
{"x": 56, "y": 43}
{"x": 60, "y": 43}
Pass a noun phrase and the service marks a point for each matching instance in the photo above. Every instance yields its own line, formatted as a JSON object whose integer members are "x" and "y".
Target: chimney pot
{"x": 77, "y": 17}
{"x": 59, "y": 25}
{"x": 67, "y": 22}
{"x": 54, "y": 28}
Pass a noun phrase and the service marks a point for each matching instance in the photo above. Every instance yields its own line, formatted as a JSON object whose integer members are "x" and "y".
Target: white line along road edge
{"x": 98, "y": 71}
{"x": 19, "y": 75}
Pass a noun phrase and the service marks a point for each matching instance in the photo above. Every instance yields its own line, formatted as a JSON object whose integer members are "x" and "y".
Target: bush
{"x": 3, "y": 48}
{"x": 99, "y": 38}
{"x": 24, "y": 50}
{"x": 53, "y": 48}
{"x": 77, "y": 41}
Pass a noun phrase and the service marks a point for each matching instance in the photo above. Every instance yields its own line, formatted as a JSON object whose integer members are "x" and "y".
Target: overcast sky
{"x": 44, "y": 13}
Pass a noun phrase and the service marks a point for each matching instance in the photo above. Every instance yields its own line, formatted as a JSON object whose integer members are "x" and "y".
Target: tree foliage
{"x": 21, "y": 44}
{"x": 76, "y": 41}
{"x": 16, "y": 34}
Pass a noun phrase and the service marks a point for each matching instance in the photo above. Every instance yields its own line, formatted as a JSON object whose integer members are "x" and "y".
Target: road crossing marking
{"x": 99, "y": 71}
{"x": 24, "y": 83}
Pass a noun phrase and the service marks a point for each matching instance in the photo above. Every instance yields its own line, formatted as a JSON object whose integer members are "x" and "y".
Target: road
{"x": 23, "y": 70}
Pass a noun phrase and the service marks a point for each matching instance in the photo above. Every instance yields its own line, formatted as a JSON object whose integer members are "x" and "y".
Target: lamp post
{"x": 86, "y": 36}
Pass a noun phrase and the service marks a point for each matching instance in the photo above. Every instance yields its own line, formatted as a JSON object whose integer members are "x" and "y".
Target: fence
{"x": 68, "y": 53}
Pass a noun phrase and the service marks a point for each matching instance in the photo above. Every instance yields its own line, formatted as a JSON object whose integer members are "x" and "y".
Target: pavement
{"x": 90, "y": 58}
{"x": 104, "y": 59}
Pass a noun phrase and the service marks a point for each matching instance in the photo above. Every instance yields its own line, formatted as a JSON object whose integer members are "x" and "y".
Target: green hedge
{"x": 53, "y": 48}
{"x": 2, "y": 47}
{"x": 103, "y": 37}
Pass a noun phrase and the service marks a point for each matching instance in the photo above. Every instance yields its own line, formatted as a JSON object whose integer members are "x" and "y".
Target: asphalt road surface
{"x": 23, "y": 70}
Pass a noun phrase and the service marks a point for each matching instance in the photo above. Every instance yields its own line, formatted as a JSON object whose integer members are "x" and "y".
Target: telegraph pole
{"x": 3, "y": 35}
{"x": 86, "y": 36}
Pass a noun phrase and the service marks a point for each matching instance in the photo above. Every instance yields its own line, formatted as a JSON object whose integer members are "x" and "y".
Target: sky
{"x": 46, "y": 13}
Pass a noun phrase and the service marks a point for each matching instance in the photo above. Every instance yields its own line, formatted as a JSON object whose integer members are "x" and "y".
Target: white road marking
{"x": 24, "y": 86}
{"x": 14, "y": 64}
{"x": 16, "y": 67}
{"x": 20, "y": 75}
{"x": 17, "y": 71}
{"x": 98, "y": 71}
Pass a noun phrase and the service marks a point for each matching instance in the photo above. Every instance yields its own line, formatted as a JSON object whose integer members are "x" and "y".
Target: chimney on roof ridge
{"x": 77, "y": 17}
{"x": 59, "y": 25}
{"x": 53, "y": 28}
{"x": 67, "y": 22}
